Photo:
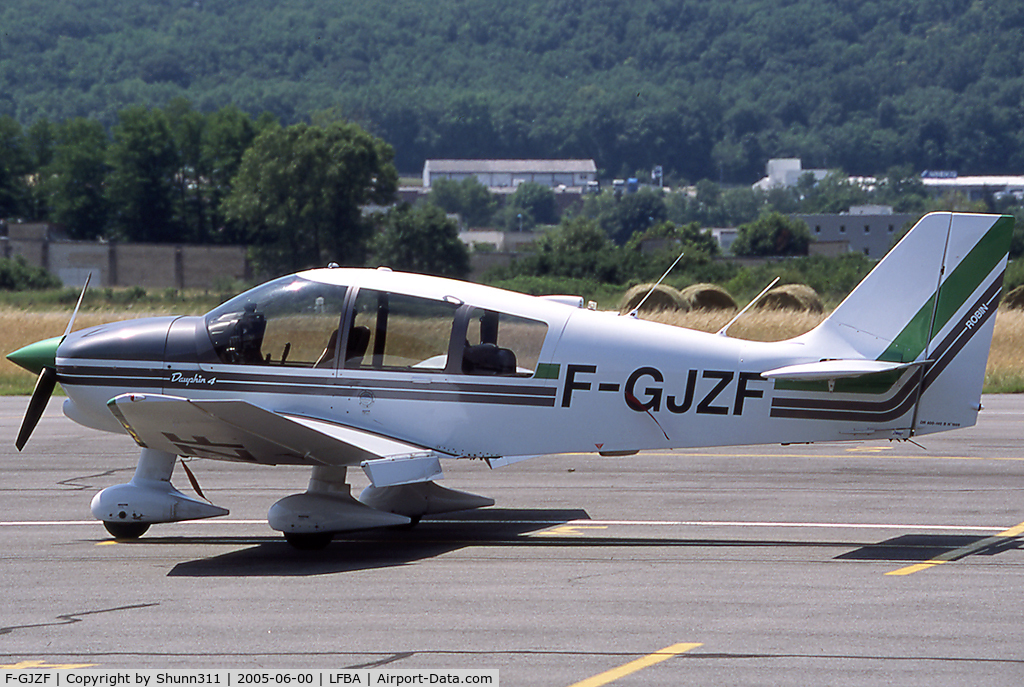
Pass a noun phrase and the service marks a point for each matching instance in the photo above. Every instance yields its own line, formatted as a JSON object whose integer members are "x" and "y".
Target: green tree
{"x": 688, "y": 238}
{"x": 468, "y": 198}
{"x": 76, "y": 176}
{"x": 17, "y": 275}
{"x": 635, "y": 212}
{"x": 833, "y": 194}
{"x": 300, "y": 190}
{"x": 421, "y": 239}
{"x": 772, "y": 234}
{"x": 902, "y": 188}
{"x": 15, "y": 164}
{"x": 228, "y": 134}
{"x": 141, "y": 186}
{"x": 577, "y": 248}
{"x": 39, "y": 145}
{"x": 188, "y": 128}
{"x": 535, "y": 202}
{"x": 644, "y": 261}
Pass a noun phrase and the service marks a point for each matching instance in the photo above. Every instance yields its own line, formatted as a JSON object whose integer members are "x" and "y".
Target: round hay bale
{"x": 798, "y": 297}
{"x": 1015, "y": 299}
{"x": 663, "y": 298}
{"x": 708, "y": 297}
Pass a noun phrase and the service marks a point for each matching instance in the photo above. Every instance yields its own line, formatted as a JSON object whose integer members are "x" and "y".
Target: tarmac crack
{"x": 384, "y": 661}
{"x": 71, "y": 618}
{"x": 70, "y": 481}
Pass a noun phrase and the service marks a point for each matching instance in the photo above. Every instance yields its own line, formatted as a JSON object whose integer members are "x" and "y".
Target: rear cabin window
{"x": 291, "y": 322}
{"x": 501, "y": 344}
{"x": 397, "y": 332}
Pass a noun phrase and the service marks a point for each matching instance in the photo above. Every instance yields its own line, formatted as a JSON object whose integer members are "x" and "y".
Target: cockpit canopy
{"x": 298, "y": 322}
{"x": 287, "y": 321}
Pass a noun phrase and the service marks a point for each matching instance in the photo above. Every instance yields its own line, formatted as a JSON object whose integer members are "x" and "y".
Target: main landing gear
{"x": 310, "y": 520}
{"x": 127, "y": 510}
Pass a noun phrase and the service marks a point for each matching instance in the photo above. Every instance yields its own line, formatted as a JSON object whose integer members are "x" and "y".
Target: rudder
{"x": 963, "y": 323}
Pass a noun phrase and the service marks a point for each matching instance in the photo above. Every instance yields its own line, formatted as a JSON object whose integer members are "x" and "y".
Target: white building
{"x": 973, "y": 187}
{"x": 508, "y": 174}
{"x": 785, "y": 173}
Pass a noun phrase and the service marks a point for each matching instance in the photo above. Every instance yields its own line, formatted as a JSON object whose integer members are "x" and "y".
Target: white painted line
{"x": 579, "y": 523}
{"x": 62, "y": 523}
{"x": 823, "y": 525}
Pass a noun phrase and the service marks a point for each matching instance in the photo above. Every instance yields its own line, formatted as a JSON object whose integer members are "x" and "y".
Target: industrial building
{"x": 506, "y": 175}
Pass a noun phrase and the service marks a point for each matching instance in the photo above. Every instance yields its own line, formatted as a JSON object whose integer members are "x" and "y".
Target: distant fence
{"x": 132, "y": 264}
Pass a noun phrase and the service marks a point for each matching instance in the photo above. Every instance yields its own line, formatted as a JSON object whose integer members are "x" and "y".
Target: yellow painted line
{"x": 633, "y": 666}
{"x": 963, "y": 551}
{"x": 574, "y": 530}
{"x": 689, "y": 453}
{"x": 911, "y": 569}
{"x": 28, "y": 665}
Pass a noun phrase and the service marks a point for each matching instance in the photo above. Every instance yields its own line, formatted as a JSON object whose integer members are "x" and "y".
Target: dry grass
{"x": 1005, "y": 372}
{"x": 758, "y": 325}
{"x": 19, "y": 328}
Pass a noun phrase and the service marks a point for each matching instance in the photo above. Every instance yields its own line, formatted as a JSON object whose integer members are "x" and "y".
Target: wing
{"x": 240, "y": 431}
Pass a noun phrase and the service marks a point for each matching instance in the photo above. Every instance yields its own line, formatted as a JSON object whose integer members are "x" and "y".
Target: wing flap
{"x": 239, "y": 431}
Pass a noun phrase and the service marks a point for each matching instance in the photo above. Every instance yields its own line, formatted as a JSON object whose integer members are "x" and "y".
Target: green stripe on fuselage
{"x": 546, "y": 371}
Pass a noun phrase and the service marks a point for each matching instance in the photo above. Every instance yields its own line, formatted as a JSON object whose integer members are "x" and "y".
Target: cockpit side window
{"x": 291, "y": 322}
{"x": 501, "y": 344}
{"x": 392, "y": 331}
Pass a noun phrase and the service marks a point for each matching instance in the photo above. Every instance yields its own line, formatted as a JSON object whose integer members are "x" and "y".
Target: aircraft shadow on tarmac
{"x": 378, "y": 548}
{"x": 382, "y": 548}
{"x": 926, "y": 547}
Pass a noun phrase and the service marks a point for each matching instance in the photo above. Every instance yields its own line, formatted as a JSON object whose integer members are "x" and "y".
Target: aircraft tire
{"x": 413, "y": 521}
{"x": 126, "y": 530}
{"x": 309, "y": 541}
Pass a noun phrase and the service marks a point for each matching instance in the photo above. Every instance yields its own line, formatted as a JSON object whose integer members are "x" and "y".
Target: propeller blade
{"x": 37, "y": 404}
{"x": 41, "y": 357}
{"x": 78, "y": 305}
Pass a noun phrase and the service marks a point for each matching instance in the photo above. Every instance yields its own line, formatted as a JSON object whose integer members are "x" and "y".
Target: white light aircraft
{"x": 393, "y": 373}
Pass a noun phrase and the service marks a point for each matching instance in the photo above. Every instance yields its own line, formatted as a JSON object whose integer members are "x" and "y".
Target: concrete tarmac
{"x": 857, "y": 564}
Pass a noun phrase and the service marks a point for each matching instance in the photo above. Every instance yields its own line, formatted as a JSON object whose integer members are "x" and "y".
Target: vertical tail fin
{"x": 932, "y": 301}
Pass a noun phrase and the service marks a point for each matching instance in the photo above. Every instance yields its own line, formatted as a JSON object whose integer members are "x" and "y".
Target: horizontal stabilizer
{"x": 835, "y": 369}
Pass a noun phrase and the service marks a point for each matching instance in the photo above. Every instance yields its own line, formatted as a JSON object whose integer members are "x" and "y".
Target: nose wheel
{"x": 126, "y": 530}
{"x": 307, "y": 541}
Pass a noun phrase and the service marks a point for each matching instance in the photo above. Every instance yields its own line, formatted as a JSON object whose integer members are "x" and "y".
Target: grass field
{"x": 1005, "y": 372}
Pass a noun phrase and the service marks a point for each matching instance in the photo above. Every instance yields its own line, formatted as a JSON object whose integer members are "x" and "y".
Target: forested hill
{"x": 707, "y": 88}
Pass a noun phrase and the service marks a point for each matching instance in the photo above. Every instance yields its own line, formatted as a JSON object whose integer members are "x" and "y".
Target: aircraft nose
{"x": 139, "y": 340}
{"x": 37, "y": 356}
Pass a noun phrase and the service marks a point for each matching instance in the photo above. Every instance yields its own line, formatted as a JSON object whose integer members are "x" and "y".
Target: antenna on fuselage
{"x": 635, "y": 310}
{"x": 722, "y": 331}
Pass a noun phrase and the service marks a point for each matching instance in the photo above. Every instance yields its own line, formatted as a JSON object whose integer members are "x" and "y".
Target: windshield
{"x": 290, "y": 321}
